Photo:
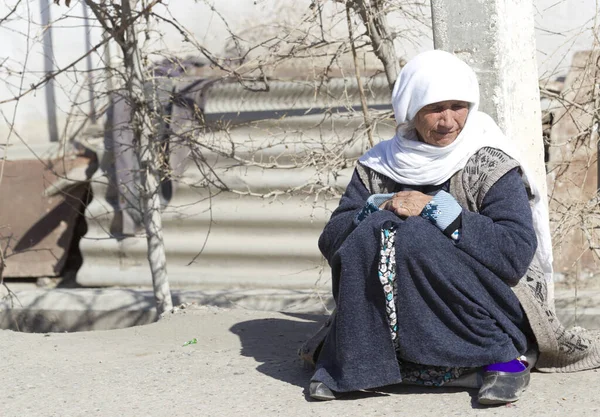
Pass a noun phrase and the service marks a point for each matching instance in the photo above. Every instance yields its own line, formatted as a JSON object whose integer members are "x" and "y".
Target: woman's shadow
{"x": 275, "y": 342}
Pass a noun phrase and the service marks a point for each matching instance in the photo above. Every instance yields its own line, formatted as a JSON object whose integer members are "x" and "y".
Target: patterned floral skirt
{"x": 412, "y": 373}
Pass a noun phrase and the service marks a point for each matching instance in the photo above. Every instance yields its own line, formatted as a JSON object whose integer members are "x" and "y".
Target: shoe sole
{"x": 503, "y": 387}
{"x": 320, "y": 391}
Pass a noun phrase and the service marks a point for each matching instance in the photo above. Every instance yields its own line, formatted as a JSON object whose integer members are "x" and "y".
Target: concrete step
{"x": 98, "y": 309}
{"x": 84, "y": 309}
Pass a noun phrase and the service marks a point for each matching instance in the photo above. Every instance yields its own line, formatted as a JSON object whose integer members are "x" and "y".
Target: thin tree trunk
{"x": 144, "y": 127}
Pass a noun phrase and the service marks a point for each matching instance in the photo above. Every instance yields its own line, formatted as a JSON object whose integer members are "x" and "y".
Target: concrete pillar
{"x": 496, "y": 38}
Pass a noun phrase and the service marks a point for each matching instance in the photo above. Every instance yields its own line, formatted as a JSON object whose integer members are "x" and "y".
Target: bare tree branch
{"x": 10, "y": 12}
{"x": 361, "y": 91}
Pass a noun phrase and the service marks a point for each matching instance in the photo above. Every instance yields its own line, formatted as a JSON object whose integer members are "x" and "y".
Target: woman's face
{"x": 440, "y": 123}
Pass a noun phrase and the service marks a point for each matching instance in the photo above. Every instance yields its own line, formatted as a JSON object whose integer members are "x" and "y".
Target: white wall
{"x": 22, "y": 55}
{"x": 22, "y": 52}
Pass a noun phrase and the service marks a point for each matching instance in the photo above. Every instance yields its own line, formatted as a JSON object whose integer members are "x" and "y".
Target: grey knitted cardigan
{"x": 560, "y": 349}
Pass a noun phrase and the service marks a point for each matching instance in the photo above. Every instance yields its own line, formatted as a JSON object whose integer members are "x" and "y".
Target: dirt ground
{"x": 243, "y": 364}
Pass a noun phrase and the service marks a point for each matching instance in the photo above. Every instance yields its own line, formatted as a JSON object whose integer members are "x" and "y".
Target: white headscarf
{"x": 432, "y": 77}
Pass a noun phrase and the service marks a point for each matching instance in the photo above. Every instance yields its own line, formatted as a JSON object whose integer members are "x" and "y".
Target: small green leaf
{"x": 191, "y": 342}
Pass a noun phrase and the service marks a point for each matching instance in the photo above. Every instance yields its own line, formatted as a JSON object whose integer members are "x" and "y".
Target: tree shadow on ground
{"x": 63, "y": 310}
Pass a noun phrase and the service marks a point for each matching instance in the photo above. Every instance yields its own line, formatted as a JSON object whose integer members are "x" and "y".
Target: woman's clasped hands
{"x": 407, "y": 203}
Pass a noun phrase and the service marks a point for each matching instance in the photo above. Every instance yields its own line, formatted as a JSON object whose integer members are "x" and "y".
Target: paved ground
{"x": 244, "y": 364}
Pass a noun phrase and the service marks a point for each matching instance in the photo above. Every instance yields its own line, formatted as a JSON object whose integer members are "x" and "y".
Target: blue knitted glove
{"x": 445, "y": 213}
{"x": 371, "y": 206}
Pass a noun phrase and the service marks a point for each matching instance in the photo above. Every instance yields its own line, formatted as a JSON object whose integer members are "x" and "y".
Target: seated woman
{"x": 428, "y": 248}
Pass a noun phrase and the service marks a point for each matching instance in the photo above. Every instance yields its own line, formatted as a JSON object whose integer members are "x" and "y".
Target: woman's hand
{"x": 407, "y": 203}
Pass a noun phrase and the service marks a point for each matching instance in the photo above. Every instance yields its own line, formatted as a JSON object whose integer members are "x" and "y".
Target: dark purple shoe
{"x": 513, "y": 366}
